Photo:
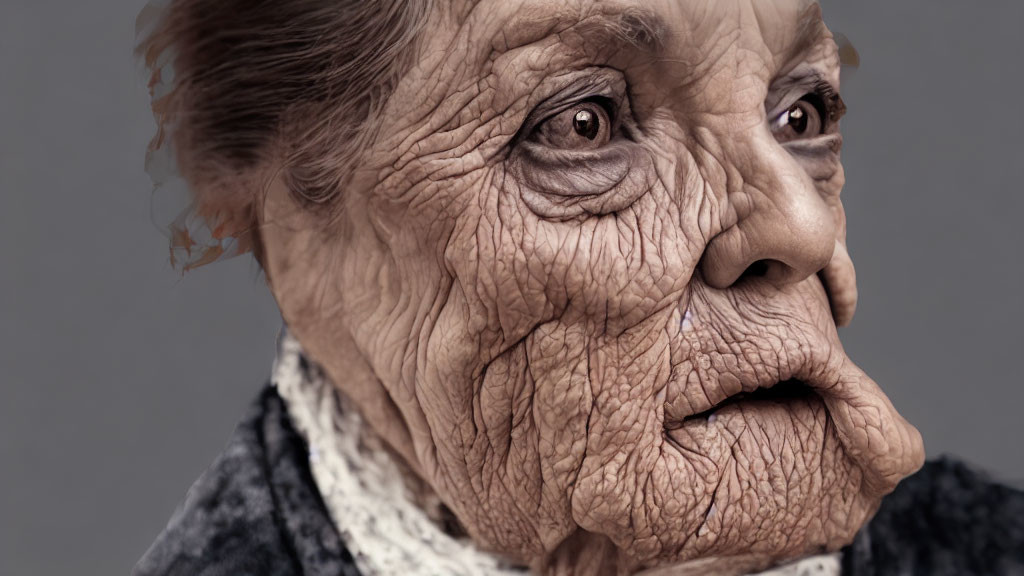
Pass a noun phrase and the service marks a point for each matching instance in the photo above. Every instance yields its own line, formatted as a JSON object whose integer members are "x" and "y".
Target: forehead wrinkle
{"x": 633, "y": 26}
{"x": 812, "y": 34}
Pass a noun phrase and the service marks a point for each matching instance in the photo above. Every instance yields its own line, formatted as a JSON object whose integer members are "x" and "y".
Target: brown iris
{"x": 585, "y": 126}
{"x": 803, "y": 120}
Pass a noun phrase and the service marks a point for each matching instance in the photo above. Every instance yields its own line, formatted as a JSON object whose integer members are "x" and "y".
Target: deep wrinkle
{"x": 515, "y": 335}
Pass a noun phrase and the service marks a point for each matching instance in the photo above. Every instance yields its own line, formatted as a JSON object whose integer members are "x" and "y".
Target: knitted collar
{"x": 386, "y": 527}
{"x": 363, "y": 486}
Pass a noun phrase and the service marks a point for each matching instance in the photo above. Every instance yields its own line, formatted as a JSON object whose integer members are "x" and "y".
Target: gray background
{"x": 122, "y": 381}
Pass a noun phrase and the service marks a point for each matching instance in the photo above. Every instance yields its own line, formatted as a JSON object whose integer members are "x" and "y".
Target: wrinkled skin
{"x": 535, "y": 315}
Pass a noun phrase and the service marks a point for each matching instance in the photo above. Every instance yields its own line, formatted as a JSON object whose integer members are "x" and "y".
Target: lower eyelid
{"x": 819, "y": 155}
{"x": 572, "y": 172}
{"x": 561, "y": 184}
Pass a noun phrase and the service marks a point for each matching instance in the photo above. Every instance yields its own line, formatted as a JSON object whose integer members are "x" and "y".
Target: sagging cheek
{"x": 471, "y": 232}
{"x": 518, "y": 271}
{"x": 517, "y": 430}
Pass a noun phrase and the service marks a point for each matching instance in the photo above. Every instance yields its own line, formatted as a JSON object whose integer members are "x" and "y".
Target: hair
{"x": 238, "y": 86}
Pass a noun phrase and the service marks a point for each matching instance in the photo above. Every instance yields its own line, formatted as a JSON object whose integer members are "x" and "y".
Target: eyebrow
{"x": 806, "y": 77}
{"x": 812, "y": 32}
{"x": 635, "y": 27}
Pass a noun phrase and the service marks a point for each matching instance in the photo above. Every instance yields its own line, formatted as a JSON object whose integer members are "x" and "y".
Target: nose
{"x": 784, "y": 231}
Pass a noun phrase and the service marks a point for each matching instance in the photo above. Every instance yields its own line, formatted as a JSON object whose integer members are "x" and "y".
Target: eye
{"x": 583, "y": 126}
{"x": 804, "y": 119}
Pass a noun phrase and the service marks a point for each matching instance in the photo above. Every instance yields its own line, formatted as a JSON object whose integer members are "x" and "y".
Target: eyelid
{"x": 603, "y": 85}
{"x": 788, "y": 90}
{"x": 834, "y": 105}
{"x": 826, "y": 99}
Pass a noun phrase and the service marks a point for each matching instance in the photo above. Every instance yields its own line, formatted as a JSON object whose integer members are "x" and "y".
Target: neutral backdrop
{"x": 121, "y": 380}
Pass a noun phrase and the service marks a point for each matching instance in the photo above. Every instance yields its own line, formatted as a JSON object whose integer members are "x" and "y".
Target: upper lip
{"x": 817, "y": 366}
{"x": 882, "y": 444}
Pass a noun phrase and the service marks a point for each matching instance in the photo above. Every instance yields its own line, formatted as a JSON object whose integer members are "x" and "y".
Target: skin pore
{"x": 583, "y": 242}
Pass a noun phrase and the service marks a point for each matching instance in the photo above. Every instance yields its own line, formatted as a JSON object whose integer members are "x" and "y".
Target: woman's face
{"x": 586, "y": 239}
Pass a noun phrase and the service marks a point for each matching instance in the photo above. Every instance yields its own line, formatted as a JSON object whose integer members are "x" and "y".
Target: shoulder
{"x": 945, "y": 519}
{"x": 254, "y": 511}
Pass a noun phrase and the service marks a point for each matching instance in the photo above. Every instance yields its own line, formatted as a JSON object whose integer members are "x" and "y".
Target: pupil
{"x": 798, "y": 119}
{"x": 586, "y": 124}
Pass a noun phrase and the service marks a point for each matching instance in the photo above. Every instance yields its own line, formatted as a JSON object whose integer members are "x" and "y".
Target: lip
{"x": 779, "y": 392}
{"x": 733, "y": 383}
{"x": 880, "y": 442}
{"x": 702, "y": 389}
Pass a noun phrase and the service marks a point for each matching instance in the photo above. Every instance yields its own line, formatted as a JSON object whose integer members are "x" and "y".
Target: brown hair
{"x": 237, "y": 85}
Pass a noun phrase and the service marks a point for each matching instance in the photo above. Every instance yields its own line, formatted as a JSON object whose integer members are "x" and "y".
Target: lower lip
{"x": 759, "y": 460}
{"x": 773, "y": 419}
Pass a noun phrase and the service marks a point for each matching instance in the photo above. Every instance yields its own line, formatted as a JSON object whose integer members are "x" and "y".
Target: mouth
{"x": 737, "y": 392}
{"x": 849, "y": 409}
{"x": 781, "y": 393}
{"x": 767, "y": 426}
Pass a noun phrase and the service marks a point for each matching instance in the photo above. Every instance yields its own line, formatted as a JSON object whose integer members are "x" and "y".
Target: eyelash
{"x": 605, "y": 102}
{"x": 823, "y": 96}
{"x": 827, "y": 101}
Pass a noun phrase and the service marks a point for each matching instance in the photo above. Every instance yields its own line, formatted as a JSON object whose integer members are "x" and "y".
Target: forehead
{"x": 726, "y": 51}
{"x": 695, "y": 28}
{"x": 481, "y": 59}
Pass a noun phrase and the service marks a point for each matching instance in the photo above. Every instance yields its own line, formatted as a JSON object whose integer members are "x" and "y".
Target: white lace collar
{"x": 362, "y": 485}
{"x": 366, "y": 495}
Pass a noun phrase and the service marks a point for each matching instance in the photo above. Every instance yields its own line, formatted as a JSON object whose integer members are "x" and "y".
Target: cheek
{"x": 509, "y": 313}
{"x": 510, "y": 276}
{"x": 612, "y": 270}
{"x": 515, "y": 269}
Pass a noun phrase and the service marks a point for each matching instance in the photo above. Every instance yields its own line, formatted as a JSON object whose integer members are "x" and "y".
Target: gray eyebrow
{"x": 804, "y": 75}
{"x": 640, "y": 28}
{"x": 812, "y": 31}
{"x": 636, "y": 27}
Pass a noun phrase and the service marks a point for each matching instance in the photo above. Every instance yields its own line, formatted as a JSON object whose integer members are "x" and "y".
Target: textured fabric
{"x": 946, "y": 520}
{"x": 824, "y": 565}
{"x": 383, "y": 524}
{"x": 256, "y": 511}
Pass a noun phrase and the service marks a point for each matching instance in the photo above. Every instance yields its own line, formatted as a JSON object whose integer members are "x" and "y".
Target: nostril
{"x": 758, "y": 269}
{"x": 770, "y": 271}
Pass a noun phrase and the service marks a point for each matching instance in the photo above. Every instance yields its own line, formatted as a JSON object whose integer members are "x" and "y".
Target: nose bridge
{"x": 786, "y": 232}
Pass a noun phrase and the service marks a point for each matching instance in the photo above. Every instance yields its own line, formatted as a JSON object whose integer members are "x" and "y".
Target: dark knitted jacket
{"x": 257, "y": 511}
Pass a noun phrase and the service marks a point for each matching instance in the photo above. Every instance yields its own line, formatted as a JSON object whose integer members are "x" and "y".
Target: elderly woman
{"x": 561, "y": 283}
